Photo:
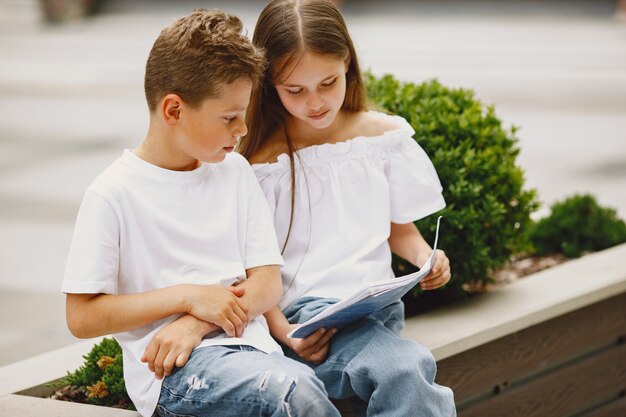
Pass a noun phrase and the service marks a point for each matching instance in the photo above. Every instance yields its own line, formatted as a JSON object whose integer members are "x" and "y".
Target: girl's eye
{"x": 329, "y": 83}
{"x": 230, "y": 119}
{"x": 294, "y": 92}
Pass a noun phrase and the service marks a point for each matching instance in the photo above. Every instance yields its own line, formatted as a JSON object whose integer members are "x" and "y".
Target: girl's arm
{"x": 407, "y": 242}
{"x": 91, "y": 315}
{"x": 263, "y": 289}
{"x": 313, "y": 348}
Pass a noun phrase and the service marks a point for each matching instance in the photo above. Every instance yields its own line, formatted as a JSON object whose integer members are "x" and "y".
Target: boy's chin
{"x": 216, "y": 159}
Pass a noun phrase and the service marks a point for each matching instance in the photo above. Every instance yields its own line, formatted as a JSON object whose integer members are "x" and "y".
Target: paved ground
{"x": 71, "y": 98}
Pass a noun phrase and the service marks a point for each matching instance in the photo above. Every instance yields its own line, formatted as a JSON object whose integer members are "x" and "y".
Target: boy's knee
{"x": 294, "y": 393}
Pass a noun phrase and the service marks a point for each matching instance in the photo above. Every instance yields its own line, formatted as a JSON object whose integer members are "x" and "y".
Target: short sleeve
{"x": 93, "y": 261}
{"x": 267, "y": 179}
{"x": 414, "y": 186}
{"x": 261, "y": 242}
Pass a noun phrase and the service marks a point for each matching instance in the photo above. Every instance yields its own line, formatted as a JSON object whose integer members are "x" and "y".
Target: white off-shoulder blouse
{"x": 347, "y": 196}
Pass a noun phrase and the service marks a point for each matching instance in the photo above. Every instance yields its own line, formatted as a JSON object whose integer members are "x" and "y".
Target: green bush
{"x": 487, "y": 208}
{"x": 575, "y": 226}
{"x": 101, "y": 378}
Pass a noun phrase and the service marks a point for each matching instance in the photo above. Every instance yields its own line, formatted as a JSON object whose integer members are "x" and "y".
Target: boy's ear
{"x": 171, "y": 106}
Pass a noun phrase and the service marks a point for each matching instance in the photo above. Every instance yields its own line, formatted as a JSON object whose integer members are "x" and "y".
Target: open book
{"x": 365, "y": 301}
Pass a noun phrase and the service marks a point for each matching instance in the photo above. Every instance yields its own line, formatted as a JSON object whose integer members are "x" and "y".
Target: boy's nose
{"x": 241, "y": 129}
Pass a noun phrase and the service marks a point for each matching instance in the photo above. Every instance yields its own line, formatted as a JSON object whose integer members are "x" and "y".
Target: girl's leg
{"x": 241, "y": 381}
{"x": 394, "y": 376}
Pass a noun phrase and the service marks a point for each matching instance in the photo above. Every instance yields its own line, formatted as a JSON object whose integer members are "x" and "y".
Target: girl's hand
{"x": 439, "y": 274}
{"x": 172, "y": 345}
{"x": 313, "y": 348}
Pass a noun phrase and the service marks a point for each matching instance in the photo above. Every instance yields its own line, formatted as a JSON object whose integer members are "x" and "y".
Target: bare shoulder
{"x": 370, "y": 123}
{"x": 268, "y": 153}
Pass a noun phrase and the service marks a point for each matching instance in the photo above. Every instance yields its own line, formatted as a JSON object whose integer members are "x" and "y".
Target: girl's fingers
{"x": 432, "y": 284}
{"x": 441, "y": 261}
{"x": 304, "y": 347}
{"x": 319, "y": 356}
{"x": 312, "y": 339}
{"x": 433, "y": 276}
{"x": 438, "y": 270}
{"x": 325, "y": 339}
{"x": 319, "y": 350}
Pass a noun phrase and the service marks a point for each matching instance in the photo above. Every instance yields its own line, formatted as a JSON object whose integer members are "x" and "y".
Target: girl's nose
{"x": 315, "y": 102}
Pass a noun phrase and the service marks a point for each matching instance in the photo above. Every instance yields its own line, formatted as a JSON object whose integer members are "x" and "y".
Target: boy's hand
{"x": 313, "y": 348}
{"x": 439, "y": 274}
{"x": 220, "y": 305}
{"x": 173, "y": 344}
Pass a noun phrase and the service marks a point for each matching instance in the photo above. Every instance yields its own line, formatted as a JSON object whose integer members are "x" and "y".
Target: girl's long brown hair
{"x": 287, "y": 29}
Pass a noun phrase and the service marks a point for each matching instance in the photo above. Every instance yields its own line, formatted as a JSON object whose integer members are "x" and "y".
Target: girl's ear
{"x": 171, "y": 106}
{"x": 346, "y": 62}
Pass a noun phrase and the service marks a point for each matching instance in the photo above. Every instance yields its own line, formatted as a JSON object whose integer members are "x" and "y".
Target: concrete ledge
{"x": 534, "y": 299}
{"x": 23, "y": 406}
{"x": 43, "y": 368}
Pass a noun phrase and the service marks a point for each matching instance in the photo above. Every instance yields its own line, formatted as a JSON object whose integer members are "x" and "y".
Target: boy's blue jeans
{"x": 368, "y": 359}
{"x": 240, "y": 381}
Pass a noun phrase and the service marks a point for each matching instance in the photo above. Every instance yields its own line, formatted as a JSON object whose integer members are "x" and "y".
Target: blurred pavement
{"x": 71, "y": 98}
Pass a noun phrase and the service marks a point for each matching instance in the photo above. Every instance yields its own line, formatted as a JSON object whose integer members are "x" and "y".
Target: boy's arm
{"x": 91, "y": 315}
{"x": 173, "y": 344}
{"x": 406, "y": 241}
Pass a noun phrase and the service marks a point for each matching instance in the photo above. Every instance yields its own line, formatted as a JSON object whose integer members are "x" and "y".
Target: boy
{"x": 166, "y": 230}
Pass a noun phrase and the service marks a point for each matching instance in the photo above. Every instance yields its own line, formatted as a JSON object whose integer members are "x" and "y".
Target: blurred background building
{"x": 71, "y": 98}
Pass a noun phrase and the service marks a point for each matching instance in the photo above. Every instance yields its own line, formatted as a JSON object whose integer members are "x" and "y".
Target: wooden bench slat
{"x": 532, "y": 350}
{"x": 561, "y": 393}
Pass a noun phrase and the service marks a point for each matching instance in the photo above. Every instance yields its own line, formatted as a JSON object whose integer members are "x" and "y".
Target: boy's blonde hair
{"x": 198, "y": 54}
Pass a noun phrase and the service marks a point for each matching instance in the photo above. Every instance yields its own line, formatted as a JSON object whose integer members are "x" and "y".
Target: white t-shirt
{"x": 347, "y": 196}
{"x": 141, "y": 227}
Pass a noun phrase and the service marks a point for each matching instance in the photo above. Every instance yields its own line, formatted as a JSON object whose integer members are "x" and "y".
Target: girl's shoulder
{"x": 364, "y": 132}
{"x": 372, "y": 124}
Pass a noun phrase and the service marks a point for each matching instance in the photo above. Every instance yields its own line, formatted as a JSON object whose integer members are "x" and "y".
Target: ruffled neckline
{"x": 347, "y": 149}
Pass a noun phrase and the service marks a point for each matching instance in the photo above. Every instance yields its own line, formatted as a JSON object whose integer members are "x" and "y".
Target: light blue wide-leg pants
{"x": 395, "y": 377}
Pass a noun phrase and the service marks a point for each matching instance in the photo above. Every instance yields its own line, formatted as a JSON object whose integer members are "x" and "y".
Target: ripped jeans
{"x": 241, "y": 381}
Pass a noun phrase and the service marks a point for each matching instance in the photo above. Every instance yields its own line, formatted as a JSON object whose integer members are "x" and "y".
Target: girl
{"x": 345, "y": 185}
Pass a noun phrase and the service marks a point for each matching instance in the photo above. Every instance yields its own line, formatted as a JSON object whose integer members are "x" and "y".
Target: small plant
{"x": 575, "y": 226}
{"x": 100, "y": 380}
{"x": 488, "y": 209}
